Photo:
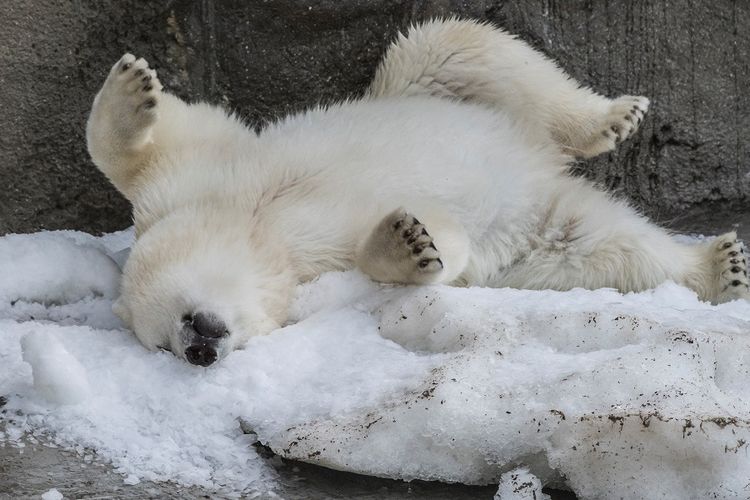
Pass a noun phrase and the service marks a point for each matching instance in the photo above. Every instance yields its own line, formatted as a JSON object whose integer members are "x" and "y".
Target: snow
{"x": 520, "y": 484}
{"x": 52, "y": 494}
{"x": 131, "y": 479}
{"x": 637, "y": 395}
{"x": 75, "y": 271}
{"x": 58, "y": 376}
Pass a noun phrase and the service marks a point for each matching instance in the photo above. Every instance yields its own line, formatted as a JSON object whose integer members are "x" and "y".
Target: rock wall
{"x": 268, "y": 58}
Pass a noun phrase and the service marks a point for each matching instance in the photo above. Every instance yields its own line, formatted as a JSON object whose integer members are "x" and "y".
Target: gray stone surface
{"x": 267, "y": 58}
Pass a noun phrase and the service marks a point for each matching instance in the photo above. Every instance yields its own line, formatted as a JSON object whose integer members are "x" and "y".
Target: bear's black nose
{"x": 201, "y": 355}
{"x": 208, "y": 325}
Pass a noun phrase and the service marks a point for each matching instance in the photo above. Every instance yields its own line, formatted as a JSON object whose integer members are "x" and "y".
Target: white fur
{"x": 465, "y": 126}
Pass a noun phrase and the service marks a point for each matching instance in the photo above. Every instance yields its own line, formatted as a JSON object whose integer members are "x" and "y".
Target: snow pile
{"x": 638, "y": 395}
{"x": 54, "y": 267}
{"x": 643, "y": 395}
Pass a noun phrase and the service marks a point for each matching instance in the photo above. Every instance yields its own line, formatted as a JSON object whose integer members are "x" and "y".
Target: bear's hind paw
{"x": 730, "y": 268}
{"x": 620, "y": 121}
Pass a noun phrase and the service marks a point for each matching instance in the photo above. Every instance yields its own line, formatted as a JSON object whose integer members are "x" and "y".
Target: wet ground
{"x": 30, "y": 471}
{"x": 33, "y": 470}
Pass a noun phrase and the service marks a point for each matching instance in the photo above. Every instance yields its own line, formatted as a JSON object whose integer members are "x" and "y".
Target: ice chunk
{"x": 52, "y": 494}
{"x": 131, "y": 479}
{"x": 58, "y": 376}
{"x": 520, "y": 484}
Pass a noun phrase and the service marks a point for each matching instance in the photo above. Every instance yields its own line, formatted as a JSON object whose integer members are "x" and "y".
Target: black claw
{"x": 149, "y": 103}
{"x": 397, "y": 225}
{"x": 408, "y": 233}
{"x": 424, "y": 232}
{"x": 440, "y": 262}
{"x": 125, "y": 67}
{"x": 416, "y": 221}
{"x": 146, "y": 78}
{"x": 432, "y": 245}
{"x": 734, "y": 261}
{"x": 423, "y": 263}
{"x": 736, "y": 269}
{"x": 726, "y": 245}
{"x": 411, "y": 240}
{"x": 139, "y": 72}
{"x": 147, "y": 88}
{"x": 733, "y": 253}
{"x": 736, "y": 283}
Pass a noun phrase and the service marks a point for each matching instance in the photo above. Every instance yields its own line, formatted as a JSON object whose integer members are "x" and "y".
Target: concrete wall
{"x": 266, "y": 58}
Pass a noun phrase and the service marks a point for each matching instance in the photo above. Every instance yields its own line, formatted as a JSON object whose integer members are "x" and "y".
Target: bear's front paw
{"x": 128, "y": 102}
{"x": 133, "y": 81}
{"x": 400, "y": 250}
{"x": 417, "y": 242}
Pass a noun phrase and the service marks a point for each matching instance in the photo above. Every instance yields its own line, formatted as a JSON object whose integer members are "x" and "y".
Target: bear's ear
{"x": 121, "y": 309}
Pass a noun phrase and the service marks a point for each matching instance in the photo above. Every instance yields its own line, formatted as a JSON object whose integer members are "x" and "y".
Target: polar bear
{"x": 452, "y": 168}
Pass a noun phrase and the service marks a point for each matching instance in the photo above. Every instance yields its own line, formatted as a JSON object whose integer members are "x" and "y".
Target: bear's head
{"x": 200, "y": 286}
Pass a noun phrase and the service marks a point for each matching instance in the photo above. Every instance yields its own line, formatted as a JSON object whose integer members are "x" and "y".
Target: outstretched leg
{"x": 477, "y": 62}
{"x": 587, "y": 240}
{"x": 400, "y": 249}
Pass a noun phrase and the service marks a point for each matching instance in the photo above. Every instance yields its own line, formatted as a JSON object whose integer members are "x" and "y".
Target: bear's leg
{"x": 120, "y": 126}
{"x": 400, "y": 249}
{"x": 133, "y": 126}
{"x": 479, "y": 63}
{"x": 629, "y": 254}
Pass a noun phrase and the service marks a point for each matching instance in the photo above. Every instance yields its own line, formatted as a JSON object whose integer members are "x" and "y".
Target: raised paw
{"x": 730, "y": 268}
{"x": 625, "y": 116}
{"x": 127, "y": 105}
{"x": 400, "y": 250}
{"x": 134, "y": 82}
{"x": 620, "y": 121}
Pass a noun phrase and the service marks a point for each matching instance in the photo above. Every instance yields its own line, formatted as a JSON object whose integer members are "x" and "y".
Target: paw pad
{"x": 133, "y": 86}
{"x": 619, "y": 120}
{"x": 624, "y": 118}
{"x": 731, "y": 268}
{"x": 417, "y": 242}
